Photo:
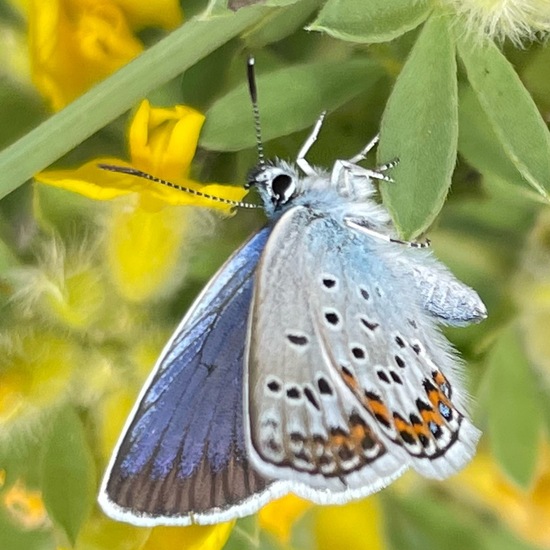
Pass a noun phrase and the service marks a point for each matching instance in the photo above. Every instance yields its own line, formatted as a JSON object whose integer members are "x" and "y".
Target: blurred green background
{"x": 91, "y": 289}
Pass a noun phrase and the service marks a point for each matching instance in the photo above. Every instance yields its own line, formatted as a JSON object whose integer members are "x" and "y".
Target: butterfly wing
{"x": 443, "y": 295}
{"x": 349, "y": 381}
{"x": 182, "y": 458}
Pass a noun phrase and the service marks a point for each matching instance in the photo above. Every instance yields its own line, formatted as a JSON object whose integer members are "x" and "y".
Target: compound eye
{"x": 283, "y": 187}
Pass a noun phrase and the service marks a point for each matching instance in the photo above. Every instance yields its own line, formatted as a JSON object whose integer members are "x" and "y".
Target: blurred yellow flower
{"x": 111, "y": 414}
{"x": 25, "y": 506}
{"x": 145, "y": 236}
{"x": 76, "y": 43}
{"x": 101, "y": 533}
{"x": 278, "y": 517}
{"x": 194, "y": 537}
{"x": 353, "y": 526}
{"x": 37, "y": 369}
{"x": 526, "y": 511}
{"x": 63, "y": 287}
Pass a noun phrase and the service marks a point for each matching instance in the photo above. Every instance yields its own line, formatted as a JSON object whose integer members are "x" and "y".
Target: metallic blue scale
{"x": 189, "y": 420}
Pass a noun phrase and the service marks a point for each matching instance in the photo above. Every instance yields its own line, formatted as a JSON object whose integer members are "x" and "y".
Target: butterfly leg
{"x": 352, "y": 169}
{"x": 354, "y": 180}
{"x": 354, "y": 224}
{"x": 362, "y": 155}
{"x": 312, "y": 138}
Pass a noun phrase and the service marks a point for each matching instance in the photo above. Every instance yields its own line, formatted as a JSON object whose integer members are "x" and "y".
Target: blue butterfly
{"x": 311, "y": 363}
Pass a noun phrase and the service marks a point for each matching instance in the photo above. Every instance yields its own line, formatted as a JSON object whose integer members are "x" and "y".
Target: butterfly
{"x": 312, "y": 363}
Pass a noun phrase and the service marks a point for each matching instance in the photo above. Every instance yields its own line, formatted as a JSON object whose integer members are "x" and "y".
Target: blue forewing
{"x": 182, "y": 455}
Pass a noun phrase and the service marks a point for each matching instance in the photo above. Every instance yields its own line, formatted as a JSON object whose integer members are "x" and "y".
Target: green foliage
{"x": 514, "y": 408}
{"x": 513, "y": 115}
{"x": 228, "y": 122}
{"x": 370, "y": 22}
{"x": 68, "y": 473}
{"x": 420, "y": 128}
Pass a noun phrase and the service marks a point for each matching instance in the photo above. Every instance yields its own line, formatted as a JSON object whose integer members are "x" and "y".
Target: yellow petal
{"x": 526, "y": 511}
{"x": 81, "y": 302}
{"x": 278, "y": 517}
{"x": 101, "y": 533}
{"x": 14, "y": 385}
{"x": 98, "y": 184}
{"x": 144, "y": 250}
{"x": 163, "y": 141}
{"x": 75, "y": 43}
{"x": 194, "y": 537}
{"x": 354, "y": 526}
{"x": 52, "y": 360}
{"x": 93, "y": 182}
{"x": 112, "y": 414}
{"x": 166, "y": 14}
{"x": 181, "y": 198}
{"x": 37, "y": 373}
{"x": 25, "y": 506}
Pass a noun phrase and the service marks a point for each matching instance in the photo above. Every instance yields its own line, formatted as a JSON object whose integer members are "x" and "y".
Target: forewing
{"x": 182, "y": 457}
{"x": 329, "y": 304}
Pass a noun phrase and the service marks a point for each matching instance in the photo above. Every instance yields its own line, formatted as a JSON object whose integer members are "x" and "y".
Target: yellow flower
{"x": 145, "y": 236}
{"x": 36, "y": 373}
{"x": 195, "y": 537}
{"x": 353, "y": 526}
{"x": 162, "y": 142}
{"x": 526, "y": 511}
{"x": 75, "y": 43}
{"x": 278, "y": 517}
{"x": 101, "y": 533}
{"x": 63, "y": 287}
{"x": 25, "y": 506}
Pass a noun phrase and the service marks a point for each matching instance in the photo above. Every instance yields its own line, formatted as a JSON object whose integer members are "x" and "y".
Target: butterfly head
{"x": 277, "y": 183}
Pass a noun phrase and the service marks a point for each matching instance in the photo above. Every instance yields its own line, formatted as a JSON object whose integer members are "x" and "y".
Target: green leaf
{"x": 280, "y": 23}
{"x": 514, "y": 409}
{"x": 68, "y": 473}
{"x": 420, "y": 127}
{"x": 535, "y": 77}
{"x": 511, "y": 111}
{"x": 19, "y": 111}
{"x": 118, "y": 93}
{"x": 477, "y": 141}
{"x": 368, "y": 22}
{"x": 203, "y": 82}
{"x": 500, "y": 538}
{"x": 290, "y": 99}
{"x": 424, "y": 522}
{"x": 15, "y": 537}
{"x": 545, "y": 402}
{"x": 8, "y": 259}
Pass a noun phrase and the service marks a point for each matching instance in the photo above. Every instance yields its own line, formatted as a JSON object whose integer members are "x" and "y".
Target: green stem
{"x": 165, "y": 60}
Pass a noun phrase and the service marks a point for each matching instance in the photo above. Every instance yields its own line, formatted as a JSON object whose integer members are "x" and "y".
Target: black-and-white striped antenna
{"x": 254, "y": 98}
{"x": 140, "y": 174}
{"x": 259, "y": 145}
